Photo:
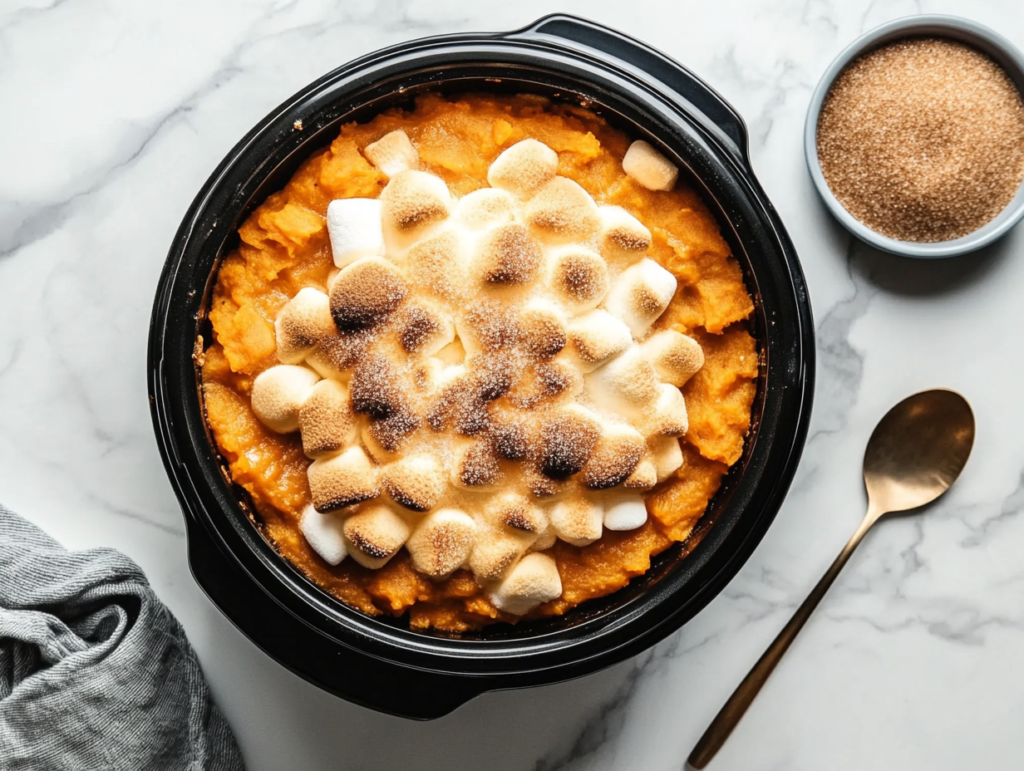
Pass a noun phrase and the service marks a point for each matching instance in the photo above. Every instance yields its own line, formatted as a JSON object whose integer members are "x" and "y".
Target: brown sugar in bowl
{"x": 883, "y": 99}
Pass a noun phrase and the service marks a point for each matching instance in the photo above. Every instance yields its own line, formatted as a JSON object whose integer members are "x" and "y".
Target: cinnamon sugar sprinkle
{"x": 923, "y": 139}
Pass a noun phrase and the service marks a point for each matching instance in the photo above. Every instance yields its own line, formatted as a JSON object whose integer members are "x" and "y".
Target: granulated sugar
{"x": 923, "y": 139}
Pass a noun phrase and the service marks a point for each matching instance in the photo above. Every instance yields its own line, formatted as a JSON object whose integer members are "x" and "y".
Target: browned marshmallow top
{"x": 479, "y": 389}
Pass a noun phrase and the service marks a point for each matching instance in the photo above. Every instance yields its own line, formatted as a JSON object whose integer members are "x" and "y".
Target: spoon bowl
{"x": 917, "y": 451}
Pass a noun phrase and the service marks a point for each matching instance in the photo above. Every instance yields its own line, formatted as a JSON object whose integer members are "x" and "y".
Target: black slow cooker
{"x": 380, "y": 663}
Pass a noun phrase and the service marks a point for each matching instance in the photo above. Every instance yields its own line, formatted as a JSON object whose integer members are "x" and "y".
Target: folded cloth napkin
{"x": 95, "y": 673}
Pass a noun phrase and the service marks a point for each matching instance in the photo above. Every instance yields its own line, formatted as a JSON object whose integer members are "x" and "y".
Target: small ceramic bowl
{"x": 973, "y": 34}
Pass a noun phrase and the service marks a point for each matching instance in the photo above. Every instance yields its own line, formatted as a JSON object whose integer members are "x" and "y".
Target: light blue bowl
{"x": 955, "y": 28}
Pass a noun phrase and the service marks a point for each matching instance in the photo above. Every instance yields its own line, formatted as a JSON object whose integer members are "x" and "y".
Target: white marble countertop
{"x": 115, "y": 113}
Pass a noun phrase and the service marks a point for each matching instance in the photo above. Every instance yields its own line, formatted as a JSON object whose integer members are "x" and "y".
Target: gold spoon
{"x": 915, "y": 453}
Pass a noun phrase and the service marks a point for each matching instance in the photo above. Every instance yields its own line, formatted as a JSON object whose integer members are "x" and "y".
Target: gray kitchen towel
{"x": 95, "y": 673}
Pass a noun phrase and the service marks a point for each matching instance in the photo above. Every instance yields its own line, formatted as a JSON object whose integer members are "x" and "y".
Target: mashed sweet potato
{"x": 284, "y": 247}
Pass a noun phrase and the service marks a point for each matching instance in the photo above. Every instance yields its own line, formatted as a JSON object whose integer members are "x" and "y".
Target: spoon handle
{"x": 734, "y": 709}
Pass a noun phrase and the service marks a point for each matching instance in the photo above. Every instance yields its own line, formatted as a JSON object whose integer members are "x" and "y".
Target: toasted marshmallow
{"x": 567, "y": 438}
{"x": 437, "y": 265}
{"x": 596, "y": 337}
{"x": 524, "y": 168}
{"x": 542, "y": 331}
{"x": 649, "y": 167}
{"x": 668, "y": 416}
{"x": 442, "y": 542}
{"x": 516, "y": 512}
{"x": 384, "y": 438}
{"x": 627, "y": 384}
{"x": 326, "y": 419}
{"x": 392, "y": 153}
{"x": 545, "y": 383}
{"x": 485, "y": 208}
{"x": 425, "y": 331}
{"x": 676, "y": 357}
{"x": 374, "y": 535}
{"x": 278, "y": 394}
{"x": 666, "y": 454}
{"x": 412, "y": 205}
{"x": 533, "y": 581}
{"x": 577, "y": 277}
{"x": 614, "y": 458}
{"x": 545, "y": 540}
{"x": 496, "y": 552}
{"x": 416, "y": 481}
{"x": 562, "y": 212}
{"x": 302, "y": 324}
{"x": 342, "y": 480}
{"x": 641, "y": 295}
{"x": 577, "y": 520}
{"x": 325, "y": 534}
{"x": 366, "y": 293}
{"x": 355, "y": 229}
{"x": 624, "y": 238}
{"x": 475, "y": 465}
{"x": 625, "y": 512}
{"x": 507, "y": 254}
{"x": 335, "y": 356}
{"x": 644, "y": 476}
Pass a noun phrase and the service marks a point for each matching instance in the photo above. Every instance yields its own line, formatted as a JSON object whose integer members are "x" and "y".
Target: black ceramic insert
{"x": 380, "y": 663}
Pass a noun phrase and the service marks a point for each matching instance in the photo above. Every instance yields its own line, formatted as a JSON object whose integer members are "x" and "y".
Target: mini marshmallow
{"x": 666, "y": 454}
{"x": 640, "y": 295}
{"x": 425, "y": 331}
{"x": 626, "y": 384}
{"x": 383, "y": 438}
{"x": 625, "y": 512}
{"x": 475, "y": 466}
{"x": 676, "y": 357}
{"x": 326, "y": 419}
{"x": 392, "y": 153}
{"x": 302, "y": 324}
{"x": 649, "y": 167}
{"x": 278, "y": 394}
{"x": 624, "y": 238}
{"x": 442, "y": 542}
{"x": 533, "y": 581}
{"x": 485, "y": 208}
{"x": 366, "y": 293}
{"x": 615, "y": 455}
{"x": 644, "y": 476}
{"x": 496, "y": 552}
{"x": 355, "y": 228}
{"x": 438, "y": 265}
{"x": 577, "y": 520}
{"x": 412, "y": 204}
{"x": 545, "y": 382}
{"x": 542, "y": 331}
{"x": 567, "y": 438}
{"x": 325, "y": 534}
{"x": 374, "y": 535}
{"x": 523, "y": 168}
{"x": 334, "y": 356}
{"x": 342, "y": 480}
{"x": 545, "y": 541}
{"x": 562, "y": 212}
{"x": 577, "y": 277}
{"x": 596, "y": 337}
{"x": 514, "y": 511}
{"x": 668, "y": 416}
{"x": 507, "y": 254}
{"x": 416, "y": 481}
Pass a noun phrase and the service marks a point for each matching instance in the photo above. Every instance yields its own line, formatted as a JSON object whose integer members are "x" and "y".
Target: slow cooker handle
{"x": 722, "y": 118}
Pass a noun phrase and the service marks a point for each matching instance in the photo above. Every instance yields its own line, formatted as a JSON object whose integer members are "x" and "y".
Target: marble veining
{"x": 116, "y": 113}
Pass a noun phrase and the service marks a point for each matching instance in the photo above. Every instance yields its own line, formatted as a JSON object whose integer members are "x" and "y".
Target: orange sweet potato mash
{"x": 285, "y": 247}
